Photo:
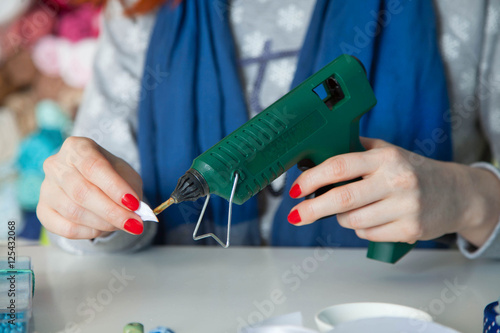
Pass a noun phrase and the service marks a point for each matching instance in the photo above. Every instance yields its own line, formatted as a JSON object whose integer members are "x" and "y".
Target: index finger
{"x": 370, "y": 143}
{"x": 95, "y": 167}
{"x": 334, "y": 170}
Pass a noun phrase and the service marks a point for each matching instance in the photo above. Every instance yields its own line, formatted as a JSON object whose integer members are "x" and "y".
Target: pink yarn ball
{"x": 59, "y": 4}
{"x": 80, "y": 23}
{"x": 26, "y": 31}
{"x": 71, "y": 61}
{"x": 46, "y": 56}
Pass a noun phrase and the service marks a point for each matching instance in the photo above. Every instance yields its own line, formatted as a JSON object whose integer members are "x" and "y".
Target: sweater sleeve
{"x": 491, "y": 248}
{"x": 488, "y": 99}
{"x": 108, "y": 113}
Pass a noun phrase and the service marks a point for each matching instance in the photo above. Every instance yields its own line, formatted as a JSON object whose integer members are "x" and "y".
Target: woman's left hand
{"x": 402, "y": 196}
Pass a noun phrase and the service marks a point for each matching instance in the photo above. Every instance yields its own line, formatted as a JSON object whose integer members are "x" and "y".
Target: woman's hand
{"x": 88, "y": 192}
{"x": 402, "y": 196}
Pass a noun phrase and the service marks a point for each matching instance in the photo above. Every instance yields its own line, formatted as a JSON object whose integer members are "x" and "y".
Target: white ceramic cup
{"x": 331, "y": 316}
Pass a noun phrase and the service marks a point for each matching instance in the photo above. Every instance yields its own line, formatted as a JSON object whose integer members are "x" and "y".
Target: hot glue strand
{"x": 163, "y": 206}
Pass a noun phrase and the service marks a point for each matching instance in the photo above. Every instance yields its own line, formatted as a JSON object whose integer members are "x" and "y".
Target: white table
{"x": 210, "y": 289}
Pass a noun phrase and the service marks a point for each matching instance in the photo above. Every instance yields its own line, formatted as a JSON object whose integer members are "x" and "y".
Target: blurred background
{"x": 46, "y": 53}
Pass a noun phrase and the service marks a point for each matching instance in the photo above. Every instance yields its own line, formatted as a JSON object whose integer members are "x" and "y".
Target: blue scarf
{"x": 192, "y": 97}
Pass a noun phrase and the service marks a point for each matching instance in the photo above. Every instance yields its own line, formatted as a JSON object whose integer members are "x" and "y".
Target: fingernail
{"x": 130, "y": 202}
{"x": 295, "y": 191}
{"x": 294, "y": 217}
{"x": 133, "y": 226}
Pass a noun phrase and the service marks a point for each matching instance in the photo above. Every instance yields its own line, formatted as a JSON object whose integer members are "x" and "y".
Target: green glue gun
{"x": 315, "y": 121}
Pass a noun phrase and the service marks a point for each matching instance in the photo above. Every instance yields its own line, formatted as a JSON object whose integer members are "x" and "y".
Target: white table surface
{"x": 210, "y": 289}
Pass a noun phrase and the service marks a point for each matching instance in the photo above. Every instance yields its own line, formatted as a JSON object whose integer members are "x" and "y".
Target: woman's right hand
{"x": 88, "y": 192}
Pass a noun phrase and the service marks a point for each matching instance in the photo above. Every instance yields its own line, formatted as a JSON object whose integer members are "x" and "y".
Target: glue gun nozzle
{"x": 163, "y": 206}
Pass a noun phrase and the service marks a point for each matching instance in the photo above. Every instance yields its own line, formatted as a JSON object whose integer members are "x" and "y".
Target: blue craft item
{"x": 49, "y": 115}
{"x": 19, "y": 319}
{"x": 161, "y": 329}
{"x": 491, "y": 323}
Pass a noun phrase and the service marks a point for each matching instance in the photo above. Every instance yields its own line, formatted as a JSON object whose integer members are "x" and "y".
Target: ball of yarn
{"x": 48, "y": 87}
{"x": 19, "y": 70}
{"x": 80, "y": 23}
{"x": 23, "y": 106}
{"x": 55, "y": 56}
{"x": 50, "y": 116}
{"x": 28, "y": 189}
{"x": 26, "y": 31}
{"x": 37, "y": 147}
{"x": 59, "y": 4}
{"x": 46, "y": 55}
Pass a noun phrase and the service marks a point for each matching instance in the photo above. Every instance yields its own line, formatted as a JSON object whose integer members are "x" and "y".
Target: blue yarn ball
{"x": 28, "y": 189}
{"x": 49, "y": 115}
{"x": 35, "y": 149}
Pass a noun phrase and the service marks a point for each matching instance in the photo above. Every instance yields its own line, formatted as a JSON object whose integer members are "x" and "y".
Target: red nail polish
{"x": 133, "y": 226}
{"x": 294, "y": 217}
{"x": 295, "y": 191}
{"x": 130, "y": 202}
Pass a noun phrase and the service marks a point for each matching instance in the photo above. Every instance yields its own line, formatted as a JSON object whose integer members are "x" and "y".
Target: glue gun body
{"x": 315, "y": 121}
